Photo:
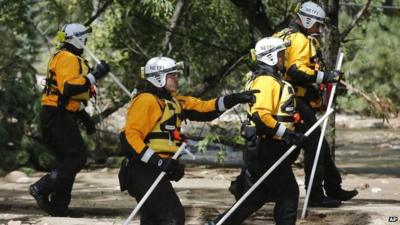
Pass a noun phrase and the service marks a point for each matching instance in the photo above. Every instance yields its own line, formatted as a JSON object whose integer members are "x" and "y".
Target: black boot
{"x": 59, "y": 202}
{"x": 318, "y": 199}
{"x": 341, "y": 194}
{"x": 42, "y": 199}
{"x": 325, "y": 202}
{"x": 41, "y": 190}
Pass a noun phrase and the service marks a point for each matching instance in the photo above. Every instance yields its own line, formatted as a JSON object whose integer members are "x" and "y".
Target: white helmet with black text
{"x": 266, "y": 50}
{"x": 157, "y": 69}
{"x": 311, "y": 13}
{"x": 74, "y": 29}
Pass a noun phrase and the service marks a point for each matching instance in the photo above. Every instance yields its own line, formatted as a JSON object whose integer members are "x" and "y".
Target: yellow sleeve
{"x": 196, "y": 109}
{"x": 298, "y": 59}
{"x": 267, "y": 99}
{"x": 142, "y": 116}
{"x": 299, "y": 53}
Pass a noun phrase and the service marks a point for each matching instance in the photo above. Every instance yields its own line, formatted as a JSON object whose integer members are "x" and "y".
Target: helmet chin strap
{"x": 71, "y": 48}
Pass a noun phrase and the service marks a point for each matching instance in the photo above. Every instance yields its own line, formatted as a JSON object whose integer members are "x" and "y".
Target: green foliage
{"x": 221, "y": 155}
{"x": 371, "y": 61}
{"x": 209, "y": 36}
{"x": 132, "y": 33}
{"x": 206, "y": 142}
{"x": 26, "y": 170}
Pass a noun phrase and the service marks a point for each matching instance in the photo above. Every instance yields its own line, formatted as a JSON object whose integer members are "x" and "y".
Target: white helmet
{"x": 267, "y": 49}
{"x": 77, "y": 30}
{"x": 311, "y": 13}
{"x": 157, "y": 69}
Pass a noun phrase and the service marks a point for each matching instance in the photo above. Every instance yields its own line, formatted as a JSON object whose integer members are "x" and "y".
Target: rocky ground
{"x": 368, "y": 157}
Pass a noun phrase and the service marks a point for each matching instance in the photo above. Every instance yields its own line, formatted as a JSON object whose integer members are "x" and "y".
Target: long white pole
{"x": 152, "y": 187}
{"x": 271, "y": 169}
{"x": 321, "y": 138}
{"x": 110, "y": 73}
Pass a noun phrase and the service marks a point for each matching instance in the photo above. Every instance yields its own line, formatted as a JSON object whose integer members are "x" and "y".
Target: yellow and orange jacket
{"x": 302, "y": 63}
{"x": 66, "y": 82}
{"x": 154, "y": 120}
{"x": 275, "y": 103}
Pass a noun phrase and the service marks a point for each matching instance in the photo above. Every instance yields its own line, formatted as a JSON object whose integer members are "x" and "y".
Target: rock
{"x": 376, "y": 190}
{"x": 17, "y": 177}
{"x": 12, "y": 222}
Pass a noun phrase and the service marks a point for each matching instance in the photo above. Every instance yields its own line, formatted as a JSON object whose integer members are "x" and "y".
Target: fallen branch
{"x": 108, "y": 111}
{"x": 382, "y": 105}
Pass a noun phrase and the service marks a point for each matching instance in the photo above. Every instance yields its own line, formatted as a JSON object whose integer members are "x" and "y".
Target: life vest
{"x": 285, "y": 112}
{"x": 285, "y": 35}
{"x": 51, "y": 89}
{"x": 286, "y": 106}
{"x": 164, "y": 137}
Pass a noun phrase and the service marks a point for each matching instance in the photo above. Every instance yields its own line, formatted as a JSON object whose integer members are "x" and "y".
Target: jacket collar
{"x": 74, "y": 50}
{"x": 264, "y": 69}
{"x": 159, "y": 92}
{"x": 297, "y": 28}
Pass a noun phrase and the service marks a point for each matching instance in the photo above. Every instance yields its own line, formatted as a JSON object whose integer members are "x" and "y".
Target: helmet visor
{"x": 274, "y": 49}
{"x": 317, "y": 18}
{"x": 178, "y": 68}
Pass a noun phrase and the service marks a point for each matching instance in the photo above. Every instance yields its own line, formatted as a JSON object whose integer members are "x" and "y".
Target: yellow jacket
{"x": 275, "y": 103}
{"x": 300, "y": 63}
{"x": 67, "y": 78}
{"x": 147, "y": 108}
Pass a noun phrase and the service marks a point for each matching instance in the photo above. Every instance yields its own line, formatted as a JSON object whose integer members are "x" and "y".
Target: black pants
{"x": 326, "y": 173}
{"x": 280, "y": 187}
{"x": 62, "y": 135}
{"x": 163, "y": 206}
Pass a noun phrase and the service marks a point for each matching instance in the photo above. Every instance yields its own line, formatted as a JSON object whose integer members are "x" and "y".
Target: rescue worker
{"x": 305, "y": 73}
{"x": 269, "y": 133}
{"x": 151, "y": 137}
{"x": 69, "y": 84}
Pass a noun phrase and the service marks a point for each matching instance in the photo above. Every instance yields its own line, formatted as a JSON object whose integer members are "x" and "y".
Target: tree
{"x": 211, "y": 36}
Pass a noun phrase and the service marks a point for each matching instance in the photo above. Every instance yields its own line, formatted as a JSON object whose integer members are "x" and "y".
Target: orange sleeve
{"x": 192, "y": 103}
{"x": 198, "y": 110}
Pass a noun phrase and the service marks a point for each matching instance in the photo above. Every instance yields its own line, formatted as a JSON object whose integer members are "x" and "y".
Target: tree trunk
{"x": 331, "y": 45}
{"x": 255, "y": 13}
{"x": 166, "y": 48}
{"x": 331, "y": 34}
